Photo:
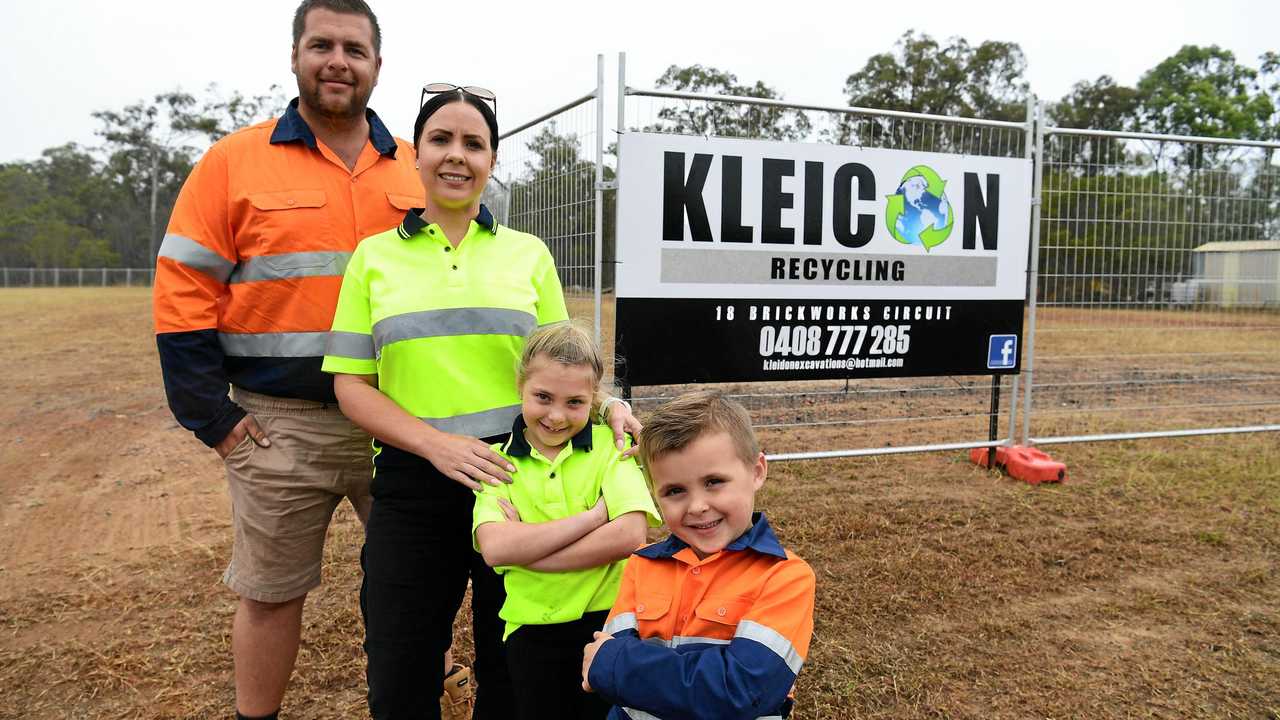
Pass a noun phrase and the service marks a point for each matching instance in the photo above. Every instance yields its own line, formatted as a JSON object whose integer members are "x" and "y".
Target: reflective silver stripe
{"x": 291, "y": 265}
{"x": 455, "y": 321}
{"x": 773, "y": 640}
{"x": 625, "y": 621}
{"x": 196, "y": 256}
{"x": 299, "y": 344}
{"x": 642, "y": 715}
{"x": 679, "y": 640}
{"x": 357, "y": 346}
{"x": 486, "y": 423}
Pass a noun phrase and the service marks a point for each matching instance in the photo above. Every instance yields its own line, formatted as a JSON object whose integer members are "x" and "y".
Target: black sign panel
{"x": 671, "y": 341}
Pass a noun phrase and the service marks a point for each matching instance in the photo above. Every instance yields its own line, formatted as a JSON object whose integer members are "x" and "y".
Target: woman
{"x": 430, "y": 324}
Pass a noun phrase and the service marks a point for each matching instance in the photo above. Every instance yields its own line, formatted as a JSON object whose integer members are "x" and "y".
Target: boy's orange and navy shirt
{"x": 721, "y": 637}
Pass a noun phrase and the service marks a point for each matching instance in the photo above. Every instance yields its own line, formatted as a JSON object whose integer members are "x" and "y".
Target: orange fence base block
{"x": 1022, "y": 463}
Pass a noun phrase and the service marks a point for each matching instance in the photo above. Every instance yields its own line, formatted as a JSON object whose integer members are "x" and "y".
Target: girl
{"x": 560, "y": 532}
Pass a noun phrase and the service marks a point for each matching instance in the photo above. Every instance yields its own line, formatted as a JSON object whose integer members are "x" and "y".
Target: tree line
{"x": 107, "y": 205}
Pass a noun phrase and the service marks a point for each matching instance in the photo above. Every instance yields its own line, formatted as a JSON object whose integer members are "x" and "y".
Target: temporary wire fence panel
{"x": 75, "y": 277}
{"x": 1156, "y": 307}
{"x": 843, "y": 417}
{"x": 544, "y": 184}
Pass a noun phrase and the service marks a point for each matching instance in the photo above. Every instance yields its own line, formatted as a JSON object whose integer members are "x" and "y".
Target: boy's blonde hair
{"x": 677, "y": 423}
{"x": 566, "y": 343}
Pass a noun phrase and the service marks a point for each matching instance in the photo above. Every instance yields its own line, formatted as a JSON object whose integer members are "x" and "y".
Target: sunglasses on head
{"x": 438, "y": 88}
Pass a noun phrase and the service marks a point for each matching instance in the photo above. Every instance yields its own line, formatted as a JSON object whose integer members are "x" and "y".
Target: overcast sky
{"x": 63, "y": 59}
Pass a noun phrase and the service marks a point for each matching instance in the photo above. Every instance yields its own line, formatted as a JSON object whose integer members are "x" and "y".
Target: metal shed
{"x": 1238, "y": 274}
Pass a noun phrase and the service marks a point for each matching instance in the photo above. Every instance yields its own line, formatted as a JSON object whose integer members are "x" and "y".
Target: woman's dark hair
{"x": 430, "y": 107}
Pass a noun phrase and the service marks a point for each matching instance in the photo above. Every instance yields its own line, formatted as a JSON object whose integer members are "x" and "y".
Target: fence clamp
{"x": 607, "y": 185}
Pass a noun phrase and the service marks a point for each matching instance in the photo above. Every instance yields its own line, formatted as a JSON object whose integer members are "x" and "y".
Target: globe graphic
{"x": 918, "y": 212}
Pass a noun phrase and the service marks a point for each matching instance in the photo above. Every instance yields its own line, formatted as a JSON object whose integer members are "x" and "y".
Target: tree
{"x": 150, "y": 143}
{"x": 1098, "y": 105}
{"x": 921, "y": 76}
{"x": 57, "y": 212}
{"x": 726, "y": 119}
{"x": 149, "y": 154}
{"x": 220, "y": 115}
{"x": 1204, "y": 91}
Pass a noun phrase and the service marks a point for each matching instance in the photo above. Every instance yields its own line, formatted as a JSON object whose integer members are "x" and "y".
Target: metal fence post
{"x": 1027, "y": 153}
{"x": 599, "y": 229}
{"x": 1033, "y": 281}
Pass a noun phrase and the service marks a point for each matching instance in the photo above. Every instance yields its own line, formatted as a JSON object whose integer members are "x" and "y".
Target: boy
{"x": 716, "y": 619}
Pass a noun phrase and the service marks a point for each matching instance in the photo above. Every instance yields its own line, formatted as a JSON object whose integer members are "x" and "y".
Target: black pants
{"x": 546, "y": 670}
{"x": 417, "y": 559}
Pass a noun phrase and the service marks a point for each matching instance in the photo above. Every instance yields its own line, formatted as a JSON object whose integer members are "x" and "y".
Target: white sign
{"x": 723, "y": 218}
{"x": 755, "y": 260}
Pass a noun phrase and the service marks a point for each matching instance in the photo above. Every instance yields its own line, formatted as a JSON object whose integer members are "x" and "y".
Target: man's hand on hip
{"x": 246, "y": 426}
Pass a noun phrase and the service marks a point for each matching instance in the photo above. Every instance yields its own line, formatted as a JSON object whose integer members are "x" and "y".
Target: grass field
{"x": 1146, "y": 586}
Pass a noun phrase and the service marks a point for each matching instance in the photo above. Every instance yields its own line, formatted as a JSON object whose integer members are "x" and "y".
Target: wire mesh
{"x": 1158, "y": 303}
{"x": 544, "y": 184}
{"x": 847, "y": 415}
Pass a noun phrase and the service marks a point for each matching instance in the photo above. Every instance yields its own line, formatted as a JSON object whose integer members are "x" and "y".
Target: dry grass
{"x": 1147, "y": 586}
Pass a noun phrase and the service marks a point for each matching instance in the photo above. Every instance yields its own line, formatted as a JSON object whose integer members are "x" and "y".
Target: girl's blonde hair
{"x": 568, "y": 344}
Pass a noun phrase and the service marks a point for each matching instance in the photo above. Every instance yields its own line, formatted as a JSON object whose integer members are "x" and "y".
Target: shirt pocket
{"x": 286, "y": 221}
{"x": 651, "y": 608}
{"x": 723, "y": 610}
{"x": 403, "y": 202}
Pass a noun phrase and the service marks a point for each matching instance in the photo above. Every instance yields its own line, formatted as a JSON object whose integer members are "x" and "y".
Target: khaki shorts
{"x": 283, "y": 496}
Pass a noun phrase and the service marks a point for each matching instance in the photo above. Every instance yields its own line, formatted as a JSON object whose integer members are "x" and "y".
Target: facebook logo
{"x": 1002, "y": 352}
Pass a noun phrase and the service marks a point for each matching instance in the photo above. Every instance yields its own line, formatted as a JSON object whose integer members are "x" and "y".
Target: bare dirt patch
{"x": 1148, "y": 586}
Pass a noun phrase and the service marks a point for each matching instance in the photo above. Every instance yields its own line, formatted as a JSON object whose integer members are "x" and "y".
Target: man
{"x": 246, "y": 284}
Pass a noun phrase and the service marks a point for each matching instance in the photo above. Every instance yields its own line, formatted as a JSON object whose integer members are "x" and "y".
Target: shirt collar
{"x": 758, "y": 537}
{"x": 413, "y": 223}
{"x": 517, "y": 444}
{"x": 292, "y": 128}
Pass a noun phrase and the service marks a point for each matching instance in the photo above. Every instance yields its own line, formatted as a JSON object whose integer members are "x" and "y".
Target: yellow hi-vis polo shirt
{"x": 543, "y": 490}
{"x": 443, "y": 327}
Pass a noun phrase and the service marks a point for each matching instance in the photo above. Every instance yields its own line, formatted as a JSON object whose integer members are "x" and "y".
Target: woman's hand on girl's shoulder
{"x": 466, "y": 460}
{"x": 622, "y": 422}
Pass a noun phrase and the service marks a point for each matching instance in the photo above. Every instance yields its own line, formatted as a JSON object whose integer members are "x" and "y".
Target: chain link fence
{"x": 1158, "y": 301}
{"x": 545, "y": 183}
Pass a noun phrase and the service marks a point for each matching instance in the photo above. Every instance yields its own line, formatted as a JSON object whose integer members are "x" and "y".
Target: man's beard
{"x": 345, "y": 111}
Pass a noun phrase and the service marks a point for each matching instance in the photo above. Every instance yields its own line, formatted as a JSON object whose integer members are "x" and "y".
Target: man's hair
{"x": 676, "y": 424}
{"x": 350, "y": 7}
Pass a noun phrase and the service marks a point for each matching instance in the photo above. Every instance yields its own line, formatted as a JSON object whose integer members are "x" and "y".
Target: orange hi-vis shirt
{"x": 248, "y": 275}
{"x": 721, "y": 637}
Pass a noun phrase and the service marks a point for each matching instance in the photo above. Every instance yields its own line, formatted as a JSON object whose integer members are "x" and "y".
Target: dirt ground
{"x": 1148, "y": 585}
